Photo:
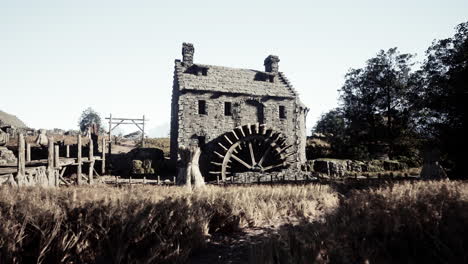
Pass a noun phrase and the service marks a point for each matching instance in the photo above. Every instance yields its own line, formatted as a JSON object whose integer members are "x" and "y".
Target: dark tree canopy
{"x": 441, "y": 98}
{"x": 333, "y": 126}
{"x": 387, "y": 107}
{"x": 89, "y": 117}
{"x": 374, "y": 101}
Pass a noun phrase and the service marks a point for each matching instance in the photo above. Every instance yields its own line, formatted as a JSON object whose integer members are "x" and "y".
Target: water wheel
{"x": 252, "y": 147}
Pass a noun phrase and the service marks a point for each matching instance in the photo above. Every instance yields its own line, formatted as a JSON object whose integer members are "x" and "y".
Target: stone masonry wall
{"x": 214, "y": 123}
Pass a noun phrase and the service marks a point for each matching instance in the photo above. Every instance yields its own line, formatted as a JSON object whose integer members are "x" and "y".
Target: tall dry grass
{"x": 142, "y": 224}
{"x": 412, "y": 222}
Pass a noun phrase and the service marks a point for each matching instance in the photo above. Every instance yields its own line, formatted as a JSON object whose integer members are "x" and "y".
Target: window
{"x": 272, "y": 78}
{"x": 201, "y": 107}
{"x": 204, "y": 71}
{"x": 282, "y": 111}
{"x": 227, "y": 109}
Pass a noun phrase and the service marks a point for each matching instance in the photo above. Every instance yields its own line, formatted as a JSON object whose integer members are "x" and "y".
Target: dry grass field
{"x": 409, "y": 222}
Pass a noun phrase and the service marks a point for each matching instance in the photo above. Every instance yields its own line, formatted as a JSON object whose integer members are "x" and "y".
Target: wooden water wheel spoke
{"x": 272, "y": 167}
{"x": 264, "y": 156}
{"x": 252, "y": 156}
{"x": 250, "y": 148}
{"x": 241, "y": 161}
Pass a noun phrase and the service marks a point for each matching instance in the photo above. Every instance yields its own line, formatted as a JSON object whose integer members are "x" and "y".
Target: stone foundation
{"x": 289, "y": 175}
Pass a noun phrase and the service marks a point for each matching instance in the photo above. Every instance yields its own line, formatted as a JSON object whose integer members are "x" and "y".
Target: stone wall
{"x": 337, "y": 168}
{"x": 255, "y": 97}
{"x": 288, "y": 175}
{"x": 245, "y": 109}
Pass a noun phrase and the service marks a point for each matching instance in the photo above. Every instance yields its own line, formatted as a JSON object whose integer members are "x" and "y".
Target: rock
{"x": 4, "y": 138}
{"x": 337, "y": 168}
{"x": 142, "y": 167}
{"x": 331, "y": 167}
{"x": 321, "y": 166}
{"x": 432, "y": 171}
{"x": 7, "y": 156}
{"x": 355, "y": 166}
{"x": 42, "y": 139}
{"x": 431, "y": 167}
{"x": 137, "y": 167}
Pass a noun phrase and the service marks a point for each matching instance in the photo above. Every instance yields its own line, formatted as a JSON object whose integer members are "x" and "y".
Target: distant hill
{"x": 10, "y": 120}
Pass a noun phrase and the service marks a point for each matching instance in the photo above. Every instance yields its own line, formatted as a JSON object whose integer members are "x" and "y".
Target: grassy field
{"x": 409, "y": 222}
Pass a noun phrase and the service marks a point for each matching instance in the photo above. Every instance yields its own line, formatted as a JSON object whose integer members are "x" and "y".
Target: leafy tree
{"x": 333, "y": 126}
{"x": 442, "y": 98}
{"x": 375, "y": 103}
{"x": 88, "y": 117}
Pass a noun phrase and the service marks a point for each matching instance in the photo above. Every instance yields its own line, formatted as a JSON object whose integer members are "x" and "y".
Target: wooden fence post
{"x": 56, "y": 156}
{"x": 50, "y": 162}
{"x": 20, "y": 177}
{"x": 28, "y": 152}
{"x": 79, "y": 161}
{"x": 57, "y": 164}
{"x": 103, "y": 165}
{"x": 91, "y": 161}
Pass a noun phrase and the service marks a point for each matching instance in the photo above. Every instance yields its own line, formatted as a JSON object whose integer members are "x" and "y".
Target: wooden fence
{"x": 50, "y": 171}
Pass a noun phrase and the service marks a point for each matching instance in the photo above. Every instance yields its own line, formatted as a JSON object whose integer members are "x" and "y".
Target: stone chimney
{"x": 187, "y": 53}
{"x": 271, "y": 64}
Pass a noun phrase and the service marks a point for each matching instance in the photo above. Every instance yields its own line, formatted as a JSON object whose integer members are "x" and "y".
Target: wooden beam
{"x": 50, "y": 154}
{"x": 57, "y": 156}
{"x": 91, "y": 163}
{"x": 50, "y": 162}
{"x": 21, "y": 160}
{"x": 116, "y": 125}
{"x": 141, "y": 129}
{"x": 143, "y": 132}
{"x": 80, "y": 161}
{"x": 110, "y": 135}
{"x": 126, "y": 123}
{"x": 103, "y": 157}
{"x": 28, "y": 152}
{"x": 125, "y": 119}
{"x": 68, "y": 151}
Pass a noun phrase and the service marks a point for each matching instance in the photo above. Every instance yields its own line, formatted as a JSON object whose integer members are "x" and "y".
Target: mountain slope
{"x": 10, "y": 120}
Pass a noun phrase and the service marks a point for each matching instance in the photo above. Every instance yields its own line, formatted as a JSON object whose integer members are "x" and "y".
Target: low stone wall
{"x": 288, "y": 175}
{"x": 337, "y": 168}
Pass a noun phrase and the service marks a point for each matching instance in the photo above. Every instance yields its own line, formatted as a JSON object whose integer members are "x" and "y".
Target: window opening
{"x": 282, "y": 111}
{"x": 201, "y": 107}
{"x": 227, "y": 109}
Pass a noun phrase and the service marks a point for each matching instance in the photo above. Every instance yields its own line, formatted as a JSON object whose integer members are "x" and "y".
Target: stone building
{"x": 244, "y": 120}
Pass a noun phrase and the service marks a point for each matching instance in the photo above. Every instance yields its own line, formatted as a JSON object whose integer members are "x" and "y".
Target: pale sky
{"x": 59, "y": 57}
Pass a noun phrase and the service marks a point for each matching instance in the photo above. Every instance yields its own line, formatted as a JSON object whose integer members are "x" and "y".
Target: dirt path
{"x": 230, "y": 248}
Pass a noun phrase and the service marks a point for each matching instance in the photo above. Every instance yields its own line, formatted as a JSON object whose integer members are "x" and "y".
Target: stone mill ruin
{"x": 248, "y": 123}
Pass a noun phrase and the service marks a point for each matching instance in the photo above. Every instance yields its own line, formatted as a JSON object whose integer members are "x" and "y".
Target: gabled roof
{"x": 232, "y": 80}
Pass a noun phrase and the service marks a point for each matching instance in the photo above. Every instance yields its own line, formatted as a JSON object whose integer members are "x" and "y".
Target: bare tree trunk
{"x": 198, "y": 180}
{"x": 188, "y": 168}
